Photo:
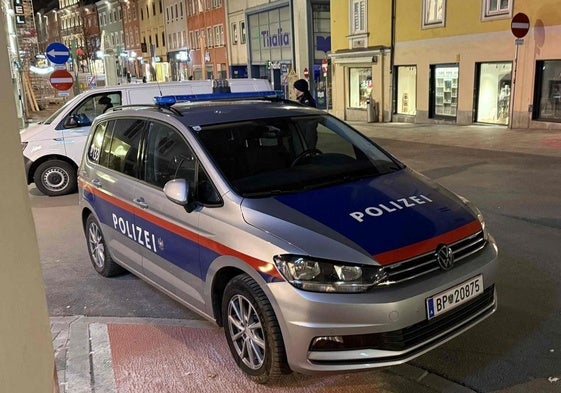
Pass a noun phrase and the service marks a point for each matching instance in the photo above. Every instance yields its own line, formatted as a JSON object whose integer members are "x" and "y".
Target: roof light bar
{"x": 171, "y": 100}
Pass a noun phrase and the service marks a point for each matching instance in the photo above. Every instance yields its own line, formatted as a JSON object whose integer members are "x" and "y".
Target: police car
{"x": 314, "y": 248}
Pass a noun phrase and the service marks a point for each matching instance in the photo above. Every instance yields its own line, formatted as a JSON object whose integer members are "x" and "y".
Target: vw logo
{"x": 445, "y": 257}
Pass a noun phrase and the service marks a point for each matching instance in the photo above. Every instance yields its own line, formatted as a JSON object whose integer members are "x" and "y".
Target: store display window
{"x": 445, "y": 90}
{"x": 547, "y": 100}
{"x": 360, "y": 82}
{"x": 406, "y": 90}
{"x": 493, "y": 93}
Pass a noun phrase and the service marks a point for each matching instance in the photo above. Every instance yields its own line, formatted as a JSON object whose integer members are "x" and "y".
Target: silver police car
{"x": 314, "y": 248}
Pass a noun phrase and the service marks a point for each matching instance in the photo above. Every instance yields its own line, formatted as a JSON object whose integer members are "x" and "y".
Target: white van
{"x": 52, "y": 149}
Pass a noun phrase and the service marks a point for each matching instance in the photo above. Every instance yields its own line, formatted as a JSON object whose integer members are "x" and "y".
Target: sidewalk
{"x": 135, "y": 355}
{"x": 488, "y": 137}
{"x": 122, "y": 355}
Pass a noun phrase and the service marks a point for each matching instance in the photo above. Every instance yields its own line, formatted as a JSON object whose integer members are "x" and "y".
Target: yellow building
{"x": 448, "y": 61}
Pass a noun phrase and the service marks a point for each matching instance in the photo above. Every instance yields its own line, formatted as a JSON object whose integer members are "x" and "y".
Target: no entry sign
{"x": 520, "y": 25}
{"x": 61, "y": 80}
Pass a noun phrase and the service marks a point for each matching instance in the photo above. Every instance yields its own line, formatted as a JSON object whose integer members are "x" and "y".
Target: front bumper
{"x": 384, "y": 327}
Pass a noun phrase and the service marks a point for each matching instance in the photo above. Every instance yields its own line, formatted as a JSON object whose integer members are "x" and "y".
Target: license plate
{"x": 454, "y": 297}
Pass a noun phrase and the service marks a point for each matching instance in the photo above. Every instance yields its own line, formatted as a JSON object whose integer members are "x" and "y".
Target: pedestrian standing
{"x": 303, "y": 95}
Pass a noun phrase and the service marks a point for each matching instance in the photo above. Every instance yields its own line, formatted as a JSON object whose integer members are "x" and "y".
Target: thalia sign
{"x": 279, "y": 38}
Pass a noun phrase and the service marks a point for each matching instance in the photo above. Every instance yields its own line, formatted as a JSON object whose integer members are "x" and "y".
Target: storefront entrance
{"x": 493, "y": 92}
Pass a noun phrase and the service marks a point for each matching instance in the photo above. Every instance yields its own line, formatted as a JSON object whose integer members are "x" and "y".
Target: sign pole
{"x": 519, "y": 26}
{"x": 518, "y": 42}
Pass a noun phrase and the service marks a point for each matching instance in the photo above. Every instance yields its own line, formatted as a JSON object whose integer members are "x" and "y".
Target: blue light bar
{"x": 170, "y": 100}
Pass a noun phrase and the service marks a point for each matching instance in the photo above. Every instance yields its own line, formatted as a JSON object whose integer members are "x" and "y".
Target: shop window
{"x": 434, "y": 13}
{"x": 493, "y": 92}
{"x": 406, "y": 90}
{"x": 547, "y": 100}
{"x": 360, "y": 80}
{"x": 445, "y": 91}
{"x": 493, "y": 9}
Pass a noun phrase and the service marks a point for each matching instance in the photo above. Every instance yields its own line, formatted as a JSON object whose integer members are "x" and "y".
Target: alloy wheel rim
{"x": 97, "y": 248}
{"x": 246, "y": 332}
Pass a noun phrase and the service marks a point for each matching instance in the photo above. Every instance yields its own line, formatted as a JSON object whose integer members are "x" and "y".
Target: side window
{"x": 96, "y": 143}
{"x": 168, "y": 156}
{"x": 94, "y": 106}
{"x": 122, "y": 155}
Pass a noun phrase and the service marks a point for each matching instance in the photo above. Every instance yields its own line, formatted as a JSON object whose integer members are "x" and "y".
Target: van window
{"x": 94, "y": 106}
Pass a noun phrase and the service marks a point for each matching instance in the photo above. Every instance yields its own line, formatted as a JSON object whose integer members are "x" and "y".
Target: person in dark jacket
{"x": 303, "y": 94}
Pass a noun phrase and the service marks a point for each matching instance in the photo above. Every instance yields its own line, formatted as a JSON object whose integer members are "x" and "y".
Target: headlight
{"x": 327, "y": 276}
{"x": 479, "y": 215}
{"x": 23, "y": 145}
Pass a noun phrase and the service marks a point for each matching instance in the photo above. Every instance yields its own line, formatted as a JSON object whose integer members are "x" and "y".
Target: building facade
{"x": 176, "y": 32}
{"x": 132, "y": 50}
{"x": 206, "y": 21}
{"x": 434, "y": 61}
{"x": 280, "y": 41}
{"x": 155, "y": 65}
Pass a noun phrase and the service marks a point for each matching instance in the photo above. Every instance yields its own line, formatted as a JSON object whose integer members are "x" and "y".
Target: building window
{"x": 360, "y": 82}
{"x": 242, "y": 32}
{"x": 209, "y": 37}
{"x": 358, "y": 16}
{"x": 234, "y": 33}
{"x": 444, "y": 83}
{"x": 493, "y": 9}
{"x": 547, "y": 100}
{"x": 219, "y": 34}
{"x": 434, "y": 13}
{"x": 406, "y": 90}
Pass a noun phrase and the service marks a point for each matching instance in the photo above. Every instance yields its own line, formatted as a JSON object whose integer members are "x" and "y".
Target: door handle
{"x": 96, "y": 182}
{"x": 140, "y": 202}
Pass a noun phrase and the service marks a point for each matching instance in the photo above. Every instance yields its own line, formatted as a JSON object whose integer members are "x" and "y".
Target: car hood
{"x": 389, "y": 218}
{"x": 32, "y": 132}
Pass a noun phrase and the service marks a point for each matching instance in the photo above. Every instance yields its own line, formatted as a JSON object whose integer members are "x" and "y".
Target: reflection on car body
{"x": 313, "y": 247}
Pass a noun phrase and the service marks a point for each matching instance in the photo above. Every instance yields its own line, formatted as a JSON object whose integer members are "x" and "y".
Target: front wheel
{"x": 55, "y": 177}
{"x": 97, "y": 249}
{"x": 252, "y": 331}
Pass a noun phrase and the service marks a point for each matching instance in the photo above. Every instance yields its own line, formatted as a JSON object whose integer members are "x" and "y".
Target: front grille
{"x": 423, "y": 332}
{"x": 422, "y": 265}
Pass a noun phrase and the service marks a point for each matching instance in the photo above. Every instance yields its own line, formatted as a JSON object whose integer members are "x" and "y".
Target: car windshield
{"x": 289, "y": 154}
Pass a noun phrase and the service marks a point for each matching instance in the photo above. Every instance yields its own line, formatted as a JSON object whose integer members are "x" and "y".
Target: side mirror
{"x": 77, "y": 120}
{"x": 71, "y": 122}
{"x": 177, "y": 191}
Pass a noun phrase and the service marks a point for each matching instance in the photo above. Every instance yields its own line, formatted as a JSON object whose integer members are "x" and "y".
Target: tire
{"x": 55, "y": 177}
{"x": 252, "y": 331}
{"x": 97, "y": 250}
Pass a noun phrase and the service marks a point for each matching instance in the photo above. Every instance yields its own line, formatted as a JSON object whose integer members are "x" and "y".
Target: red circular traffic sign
{"x": 61, "y": 80}
{"x": 520, "y": 25}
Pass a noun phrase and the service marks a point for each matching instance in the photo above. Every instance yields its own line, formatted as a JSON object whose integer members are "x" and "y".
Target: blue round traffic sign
{"x": 57, "y": 53}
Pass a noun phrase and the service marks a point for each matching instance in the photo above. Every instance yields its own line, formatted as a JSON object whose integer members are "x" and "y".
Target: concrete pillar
{"x": 26, "y": 355}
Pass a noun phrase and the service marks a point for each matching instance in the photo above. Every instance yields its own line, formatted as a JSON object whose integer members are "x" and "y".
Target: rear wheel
{"x": 99, "y": 255}
{"x": 252, "y": 331}
{"x": 55, "y": 177}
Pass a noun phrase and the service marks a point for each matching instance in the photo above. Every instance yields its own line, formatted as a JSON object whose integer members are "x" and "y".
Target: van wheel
{"x": 252, "y": 331}
{"x": 97, "y": 249}
{"x": 55, "y": 177}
